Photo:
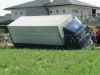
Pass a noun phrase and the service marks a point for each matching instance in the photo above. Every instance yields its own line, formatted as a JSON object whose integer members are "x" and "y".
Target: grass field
{"x": 49, "y": 62}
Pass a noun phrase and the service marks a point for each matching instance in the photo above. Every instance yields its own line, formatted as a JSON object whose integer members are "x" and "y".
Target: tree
{"x": 2, "y": 31}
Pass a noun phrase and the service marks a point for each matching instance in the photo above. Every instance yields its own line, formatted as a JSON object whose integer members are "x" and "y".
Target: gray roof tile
{"x": 40, "y": 3}
{"x": 70, "y": 2}
{"x": 37, "y": 3}
{"x": 5, "y": 20}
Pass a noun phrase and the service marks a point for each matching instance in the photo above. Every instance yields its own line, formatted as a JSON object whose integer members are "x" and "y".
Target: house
{"x": 4, "y": 21}
{"x": 5, "y": 17}
{"x": 52, "y": 7}
{"x": 98, "y": 12}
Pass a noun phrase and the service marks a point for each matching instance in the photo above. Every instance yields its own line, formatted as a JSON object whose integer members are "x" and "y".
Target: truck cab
{"x": 76, "y": 35}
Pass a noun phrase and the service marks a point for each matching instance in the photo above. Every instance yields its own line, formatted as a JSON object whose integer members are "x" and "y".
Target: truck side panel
{"x": 36, "y": 35}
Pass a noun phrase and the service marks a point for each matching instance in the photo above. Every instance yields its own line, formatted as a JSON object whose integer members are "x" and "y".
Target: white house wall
{"x": 36, "y": 11}
{"x": 16, "y": 13}
{"x": 82, "y": 11}
{"x": 68, "y": 10}
{"x": 97, "y": 11}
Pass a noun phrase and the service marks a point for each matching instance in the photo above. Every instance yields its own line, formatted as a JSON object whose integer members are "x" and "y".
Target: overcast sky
{"x": 8, "y": 3}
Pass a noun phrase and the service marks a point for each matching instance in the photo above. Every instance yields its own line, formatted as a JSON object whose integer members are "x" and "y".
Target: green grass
{"x": 49, "y": 62}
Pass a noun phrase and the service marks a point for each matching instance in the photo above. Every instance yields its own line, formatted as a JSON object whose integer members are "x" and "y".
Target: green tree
{"x": 2, "y": 31}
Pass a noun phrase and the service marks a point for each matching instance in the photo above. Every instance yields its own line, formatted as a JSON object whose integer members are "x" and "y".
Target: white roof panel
{"x": 54, "y": 20}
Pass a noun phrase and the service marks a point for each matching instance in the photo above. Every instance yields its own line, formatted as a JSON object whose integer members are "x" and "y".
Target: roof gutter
{"x": 22, "y": 7}
{"x": 46, "y": 8}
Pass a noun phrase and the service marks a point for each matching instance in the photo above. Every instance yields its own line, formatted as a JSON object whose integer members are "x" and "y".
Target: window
{"x": 63, "y": 11}
{"x": 51, "y": 11}
{"x": 75, "y": 11}
{"x": 20, "y": 13}
{"x": 57, "y": 11}
{"x": 15, "y": 13}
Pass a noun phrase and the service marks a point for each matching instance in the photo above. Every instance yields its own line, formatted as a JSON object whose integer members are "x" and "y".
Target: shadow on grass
{"x": 48, "y": 47}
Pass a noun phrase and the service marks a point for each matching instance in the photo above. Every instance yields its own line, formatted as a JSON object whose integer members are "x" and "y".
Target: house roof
{"x": 70, "y": 2}
{"x": 5, "y": 23}
{"x": 7, "y": 15}
{"x": 5, "y": 20}
{"x": 36, "y": 3}
{"x": 41, "y": 3}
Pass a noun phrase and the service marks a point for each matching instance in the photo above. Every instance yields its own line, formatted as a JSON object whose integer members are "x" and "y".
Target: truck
{"x": 59, "y": 31}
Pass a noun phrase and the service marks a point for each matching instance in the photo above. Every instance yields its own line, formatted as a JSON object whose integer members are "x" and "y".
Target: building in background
{"x": 52, "y": 7}
{"x": 4, "y": 21}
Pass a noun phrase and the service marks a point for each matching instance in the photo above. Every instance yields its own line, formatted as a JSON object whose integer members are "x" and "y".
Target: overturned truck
{"x": 49, "y": 31}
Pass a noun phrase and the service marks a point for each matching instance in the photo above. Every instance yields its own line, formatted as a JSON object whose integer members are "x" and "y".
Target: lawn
{"x": 49, "y": 62}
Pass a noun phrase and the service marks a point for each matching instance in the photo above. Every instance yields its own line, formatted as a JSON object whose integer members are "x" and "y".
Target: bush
{"x": 2, "y": 31}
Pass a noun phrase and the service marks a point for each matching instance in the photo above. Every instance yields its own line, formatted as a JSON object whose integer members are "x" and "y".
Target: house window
{"x": 51, "y": 11}
{"x": 75, "y": 11}
{"x": 63, "y": 11}
{"x": 20, "y": 13}
{"x": 15, "y": 13}
{"x": 57, "y": 11}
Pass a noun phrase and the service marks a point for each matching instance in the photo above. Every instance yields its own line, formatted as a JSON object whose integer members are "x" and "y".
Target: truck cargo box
{"x": 39, "y": 29}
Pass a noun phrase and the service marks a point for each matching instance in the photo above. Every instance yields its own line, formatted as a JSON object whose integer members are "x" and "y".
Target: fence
{"x": 89, "y": 18}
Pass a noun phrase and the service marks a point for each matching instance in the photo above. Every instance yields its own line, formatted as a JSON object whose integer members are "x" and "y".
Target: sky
{"x": 8, "y": 3}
